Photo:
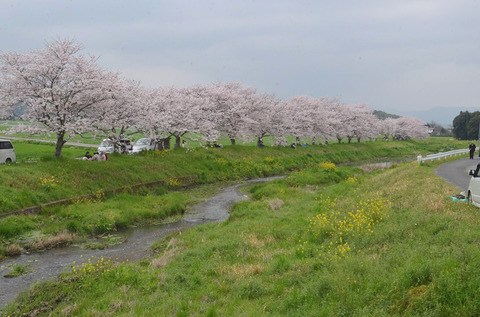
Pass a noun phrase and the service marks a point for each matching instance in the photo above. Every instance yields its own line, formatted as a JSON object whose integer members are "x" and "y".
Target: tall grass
{"x": 27, "y": 184}
{"x": 412, "y": 251}
{"x": 23, "y": 185}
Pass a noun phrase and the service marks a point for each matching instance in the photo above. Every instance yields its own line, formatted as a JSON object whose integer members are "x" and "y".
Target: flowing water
{"x": 137, "y": 244}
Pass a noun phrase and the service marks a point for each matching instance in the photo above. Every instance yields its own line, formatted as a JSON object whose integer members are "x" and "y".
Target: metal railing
{"x": 441, "y": 155}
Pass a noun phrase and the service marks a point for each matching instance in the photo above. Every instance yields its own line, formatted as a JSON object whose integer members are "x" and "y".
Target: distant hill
{"x": 443, "y": 116}
{"x": 384, "y": 115}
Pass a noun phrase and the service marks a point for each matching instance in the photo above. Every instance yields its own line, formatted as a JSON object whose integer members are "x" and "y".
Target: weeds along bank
{"x": 389, "y": 243}
{"x": 48, "y": 179}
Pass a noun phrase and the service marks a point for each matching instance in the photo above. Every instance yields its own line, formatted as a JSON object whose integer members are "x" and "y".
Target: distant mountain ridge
{"x": 382, "y": 115}
{"x": 441, "y": 115}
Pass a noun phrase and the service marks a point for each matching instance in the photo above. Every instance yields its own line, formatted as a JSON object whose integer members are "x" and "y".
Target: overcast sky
{"x": 392, "y": 55}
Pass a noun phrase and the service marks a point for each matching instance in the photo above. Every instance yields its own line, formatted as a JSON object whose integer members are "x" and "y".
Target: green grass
{"x": 92, "y": 217}
{"x": 193, "y": 140}
{"x": 18, "y": 270}
{"x": 47, "y": 179}
{"x": 412, "y": 252}
{"x": 51, "y": 179}
{"x": 87, "y": 138}
{"x": 32, "y": 151}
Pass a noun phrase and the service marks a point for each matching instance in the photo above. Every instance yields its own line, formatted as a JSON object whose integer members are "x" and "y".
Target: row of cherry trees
{"x": 67, "y": 93}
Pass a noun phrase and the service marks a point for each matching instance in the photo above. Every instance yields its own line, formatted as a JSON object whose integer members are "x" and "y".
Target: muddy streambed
{"x": 138, "y": 242}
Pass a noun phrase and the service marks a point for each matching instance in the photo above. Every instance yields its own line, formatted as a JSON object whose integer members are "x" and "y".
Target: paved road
{"x": 47, "y": 141}
{"x": 456, "y": 172}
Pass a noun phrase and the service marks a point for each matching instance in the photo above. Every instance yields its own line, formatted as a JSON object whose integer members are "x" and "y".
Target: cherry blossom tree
{"x": 349, "y": 120}
{"x": 116, "y": 117}
{"x": 6, "y": 110}
{"x": 365, "y": 123}
{"x": 340, "y": 121}
{"x": 301, "y": 116}
{"x": 59, "y": 86}
{"x": 67, "y": 93}
{"x": 231, "y": 106}
{"x": 151, "y": 116}
{"x": 327, "y": 119}
{"x": 406, "y": 128}
{"x": 310, "y": 117}
{"x": 167, "y": 112}
{"x": 353, "y": 120}
{"x": 265, "y": 117}
{"x": 203, "y": 113}
{"x": 387, "y": 128}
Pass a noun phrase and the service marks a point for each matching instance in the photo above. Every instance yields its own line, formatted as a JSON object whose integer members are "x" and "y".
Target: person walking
{"x": 472, "y": 148}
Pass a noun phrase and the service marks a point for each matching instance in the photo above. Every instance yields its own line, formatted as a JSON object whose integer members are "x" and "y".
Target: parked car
{"x": 107, "y": 146}
{"x": 473, "y": 191}
{"x": 143, "y": 144}
{"x": 7, "y": 152}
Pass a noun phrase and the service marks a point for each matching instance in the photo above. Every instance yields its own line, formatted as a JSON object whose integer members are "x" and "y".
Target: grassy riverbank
{"x": 47, "y": 179}
{"x": 388, "y": 243}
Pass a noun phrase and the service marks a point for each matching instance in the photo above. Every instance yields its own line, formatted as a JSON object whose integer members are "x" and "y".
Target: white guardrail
{"x": 440, "y": 155}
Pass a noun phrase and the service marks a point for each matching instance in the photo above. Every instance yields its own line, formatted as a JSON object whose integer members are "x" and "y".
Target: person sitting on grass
{"x": 102, "y": 157}
{"x": 87, "y": 156}
{"x": 95, "y": 157}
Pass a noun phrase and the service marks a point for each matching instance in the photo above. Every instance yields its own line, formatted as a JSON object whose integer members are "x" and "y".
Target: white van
{"x": 7, "y": 152}
{"x": 473, "y": 191}
{"x": 144, "y": 144}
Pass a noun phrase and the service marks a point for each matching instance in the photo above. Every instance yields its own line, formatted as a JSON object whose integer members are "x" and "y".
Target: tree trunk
{"x": 59, "y": 144}
{"x": 166, "y": 143}
{"x": 177, "y": 142}
{"x": 358, "y": 140}
{"x": 339, "y": 140}
{"x": 160, "y": 144}
{"x": 232, "y": 141}
{"x": 349, "y": 139}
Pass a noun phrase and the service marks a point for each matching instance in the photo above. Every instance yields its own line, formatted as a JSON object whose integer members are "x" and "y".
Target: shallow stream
{"x": 137, "y": 245}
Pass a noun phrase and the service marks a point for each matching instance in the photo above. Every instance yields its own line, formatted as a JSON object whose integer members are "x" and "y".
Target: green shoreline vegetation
{"x": 48, "y": 179}
{"x": 326, "y": 240}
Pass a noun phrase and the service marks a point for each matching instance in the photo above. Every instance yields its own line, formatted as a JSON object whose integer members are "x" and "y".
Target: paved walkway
{"x": 456, "y": 172}
{"x": 47, "y": 141}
